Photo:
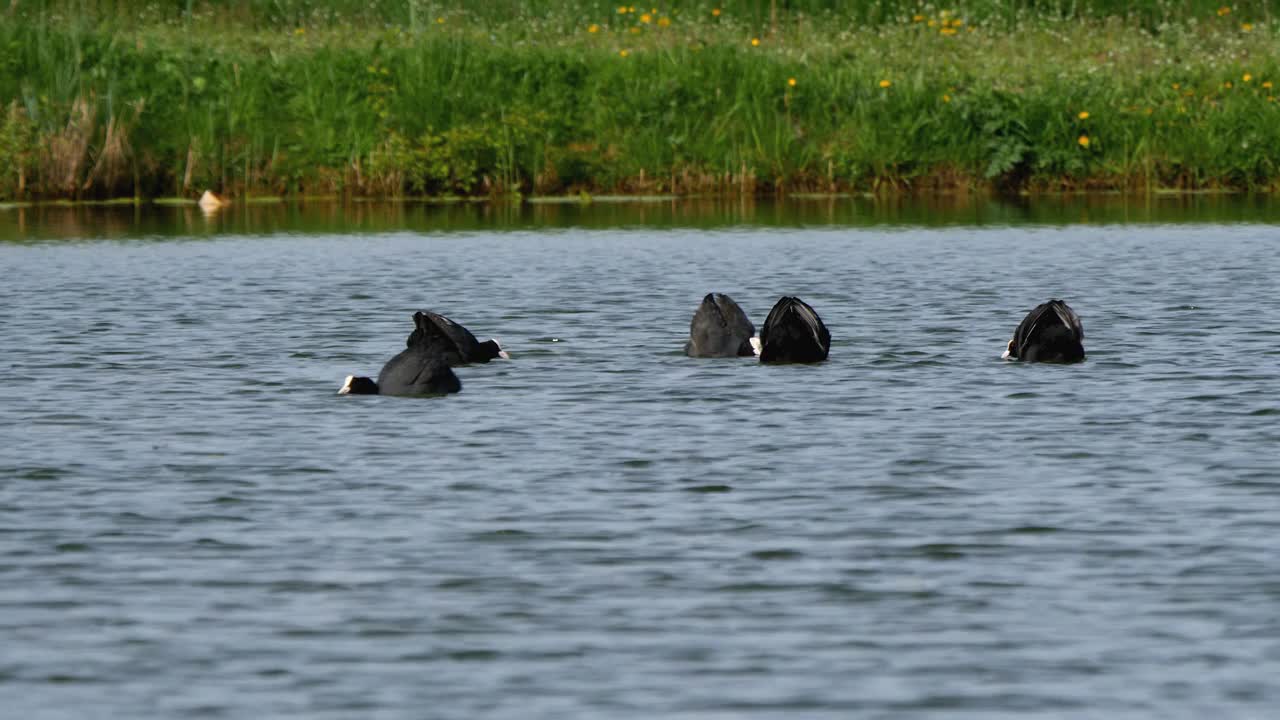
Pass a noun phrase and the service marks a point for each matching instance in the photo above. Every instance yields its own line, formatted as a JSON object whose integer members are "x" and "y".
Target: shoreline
{"x": 625, "y": 199}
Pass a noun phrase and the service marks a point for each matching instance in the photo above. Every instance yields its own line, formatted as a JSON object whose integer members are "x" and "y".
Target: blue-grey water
{"x": 192, "y": 523}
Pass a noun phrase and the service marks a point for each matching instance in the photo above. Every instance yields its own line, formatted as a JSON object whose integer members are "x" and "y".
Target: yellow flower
{"x": 946, "y": 98}
{"x": 635, "y": 31}
{"x": 631, "y": 8}
{"x": 1224, "y": 10}
{"x": 1084, "y": 115}
{"x": 664, "y": 21}
{"x": 622, "y": 10}
{"x": 1247, "y": 77}
{"x": 755, "y": 42}
{"x": 646, "y": 18}
{"x": 917, "y": 18}
{"x": 947, "y": 31}
{"x": 1247, "y": 27}
{"x": 593, "y": 28}
{"x": 624, "y": 53}
{"x": 715, "y": 12}
{"x": 1083, "y": 140}
{"x": 300, "y": 31}
{"x": 933, "y": 23}
{"x": 1177, "y": 86}
{"x": 885, "y": 83}
{"x": 1227, "y": 84}
{"x": 791, "y": 82}
{"x": 1267, "y": 84}
{"x": 440, "y": 20}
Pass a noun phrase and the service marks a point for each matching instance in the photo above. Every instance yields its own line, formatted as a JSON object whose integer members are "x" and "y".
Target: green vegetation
{"x": 402, "y": 97}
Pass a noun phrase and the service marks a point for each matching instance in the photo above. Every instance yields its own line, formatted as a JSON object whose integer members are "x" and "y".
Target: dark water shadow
{"x": 61, "y": 221}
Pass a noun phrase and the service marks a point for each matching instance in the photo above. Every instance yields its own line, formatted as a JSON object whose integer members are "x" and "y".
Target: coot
{"x": 1052, "y": 332}
{"x": 793, "y": 333}
{"x": 720, "y": 329}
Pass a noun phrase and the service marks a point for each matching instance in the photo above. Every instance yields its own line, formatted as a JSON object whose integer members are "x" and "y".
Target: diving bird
{"x": 720, "y": 329}
{"x": 1052, "y": 332}
{"x": 415, "y": 371}
{"x": 793, "y": 333}
{"x": 452, "y": 341}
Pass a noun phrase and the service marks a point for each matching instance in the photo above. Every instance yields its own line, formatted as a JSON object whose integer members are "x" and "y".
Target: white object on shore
{"x": 210, "y": 202}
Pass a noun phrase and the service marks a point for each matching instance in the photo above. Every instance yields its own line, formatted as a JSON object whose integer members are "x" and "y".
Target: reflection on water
{"x": 82, "y": 221}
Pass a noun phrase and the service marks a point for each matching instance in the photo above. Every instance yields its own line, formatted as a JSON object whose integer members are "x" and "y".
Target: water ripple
{"x": 195, "y": 524}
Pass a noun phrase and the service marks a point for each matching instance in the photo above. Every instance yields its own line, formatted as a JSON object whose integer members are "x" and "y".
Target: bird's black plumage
{"x": 412, "y": 372}
{"x": 1052, "y": 332}
{"x": 451, "y": 341}
{"x": 793, "y": 333}
{"x": 424, "y": 367}
{"x": 720, "y": 329}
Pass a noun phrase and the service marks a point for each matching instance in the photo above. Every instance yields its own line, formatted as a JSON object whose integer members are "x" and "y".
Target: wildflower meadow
{"x": 387, "y": 98}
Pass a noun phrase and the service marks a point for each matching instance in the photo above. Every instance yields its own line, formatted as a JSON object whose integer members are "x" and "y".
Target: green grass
{"x": 562, "y": 14}
{"x": 382, "y": 98}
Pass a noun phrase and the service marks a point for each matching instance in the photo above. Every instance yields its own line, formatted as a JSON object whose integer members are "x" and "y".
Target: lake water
{"x": 192, "y": 523}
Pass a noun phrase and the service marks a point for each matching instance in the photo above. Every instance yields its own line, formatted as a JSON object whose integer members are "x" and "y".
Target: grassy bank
{"x": 408, "y": 98}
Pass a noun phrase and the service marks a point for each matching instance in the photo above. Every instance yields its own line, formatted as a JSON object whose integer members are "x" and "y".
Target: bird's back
{"x": 417, "y": 371}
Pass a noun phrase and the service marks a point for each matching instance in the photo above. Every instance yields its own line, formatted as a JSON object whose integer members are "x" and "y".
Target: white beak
{"x": 1005, "y": 355}
{"x": 346, "y": 386}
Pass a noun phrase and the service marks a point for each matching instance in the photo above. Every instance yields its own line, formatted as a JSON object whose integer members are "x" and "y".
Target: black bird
{"x": 720, "y": 329}
{"x": 454, "y": 343}
{"x": 422, "y": 368}
{"x": 415, "y": 371}
{"x": 793, "y": 333}
{"x": 1052, "y": 332}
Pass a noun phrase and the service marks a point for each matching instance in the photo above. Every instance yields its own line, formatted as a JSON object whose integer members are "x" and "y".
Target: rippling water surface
{"x": 193, "y": 524}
